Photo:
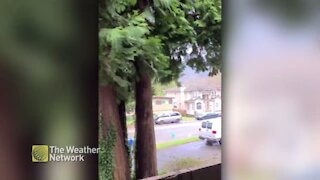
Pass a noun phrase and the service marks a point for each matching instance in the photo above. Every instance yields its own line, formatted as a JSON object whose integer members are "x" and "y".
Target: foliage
{"x": 127, "y": 40}
{"x": 187, "y": 26}
{"x": 130, "y": 106}
{"x": 159, "y": 89}
{"x": 131, "y": 120}
{"x": 106, "y": 155}
{"x": 176, "y": 31}
{"x": 160, "y": 36}
{"x": 206, "y": 51}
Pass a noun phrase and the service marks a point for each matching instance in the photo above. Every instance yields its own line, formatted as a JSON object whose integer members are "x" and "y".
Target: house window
{"x": 199, "y": 105}
{"x": 205, "y": 96}
{"x": 158, "y": 102}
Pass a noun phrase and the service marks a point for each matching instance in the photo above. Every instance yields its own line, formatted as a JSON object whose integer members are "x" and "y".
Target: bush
{"x": 106, "y": 157}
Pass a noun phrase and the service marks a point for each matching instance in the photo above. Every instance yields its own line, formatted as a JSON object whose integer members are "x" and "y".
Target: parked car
{"x": 206, "y": 116}
{"x": 211, "y": 131}
{"x": 168, "y": 117}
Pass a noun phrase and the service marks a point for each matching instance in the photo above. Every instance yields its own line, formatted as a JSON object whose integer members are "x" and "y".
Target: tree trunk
{"x": 111, "y": 119}
{"x": 123, "y": 121}
{"x": 146, "y": 155}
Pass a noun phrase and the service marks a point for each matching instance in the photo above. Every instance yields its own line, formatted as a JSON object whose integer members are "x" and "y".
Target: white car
{"x": 211, "y": 131}
{"x": 207, "y": 116}
{"x": 168, "y": 117}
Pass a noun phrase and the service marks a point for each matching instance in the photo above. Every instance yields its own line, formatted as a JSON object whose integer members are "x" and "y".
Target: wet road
{"x": 208, "y": 155}
{"x": 169, "y": 132}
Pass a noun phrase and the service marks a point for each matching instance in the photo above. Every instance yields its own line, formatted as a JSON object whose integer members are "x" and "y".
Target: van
{"x": 211, "y": 131}
{"x": 168, "y": 117}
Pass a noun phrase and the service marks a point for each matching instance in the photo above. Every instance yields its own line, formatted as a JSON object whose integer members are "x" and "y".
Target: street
{"x": 169, "y": 132}
{"x": 181, "y": 156}
{"x": 191, "y": 155}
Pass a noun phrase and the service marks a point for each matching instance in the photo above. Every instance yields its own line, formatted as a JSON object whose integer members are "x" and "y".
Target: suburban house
{"x": 195, "y": 95}
{"x": 162, "y": 104}
{"x": 195, "y": 100}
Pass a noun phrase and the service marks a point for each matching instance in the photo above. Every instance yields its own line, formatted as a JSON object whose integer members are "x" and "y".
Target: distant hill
{"x": 189, "y": 73}
{"x": 192, "y": 79}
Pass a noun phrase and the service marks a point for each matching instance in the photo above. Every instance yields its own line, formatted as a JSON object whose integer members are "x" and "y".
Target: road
{"x": 199, "y": 151}
{"x": 169, "y": 132}
{"x": 207, "y": 155}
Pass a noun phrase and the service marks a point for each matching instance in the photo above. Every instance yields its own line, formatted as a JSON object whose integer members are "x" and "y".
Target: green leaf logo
{"x": 40, "y": 153}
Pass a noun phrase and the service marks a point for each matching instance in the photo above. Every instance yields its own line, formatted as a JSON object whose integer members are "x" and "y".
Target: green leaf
{"x": 200, "y": 23}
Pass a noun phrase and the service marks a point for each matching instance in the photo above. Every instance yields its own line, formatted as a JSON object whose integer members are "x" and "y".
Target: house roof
{"x": 162, "y": 97}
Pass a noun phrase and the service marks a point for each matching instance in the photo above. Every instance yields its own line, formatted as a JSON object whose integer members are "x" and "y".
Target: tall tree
{"x": 146, "y": 157}
{"x": 111, "y": 122}
{"x": 180, "y": 26}
{"x": 114, "y": 87}
{"x": 148, "y": 40}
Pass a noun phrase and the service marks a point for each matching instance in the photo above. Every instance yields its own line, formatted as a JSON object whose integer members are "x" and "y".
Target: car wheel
{"x": 209, "y": 143}
{"x": 220, "y": 142}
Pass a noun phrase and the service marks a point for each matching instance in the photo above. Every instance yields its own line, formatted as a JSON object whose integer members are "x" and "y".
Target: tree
{"x": 146, "y": 162}
{"x": 114, "y": 87}
{"x": 111, "y": 123}
{"x": 144, "y": 40}
{"x": 178, "y": 25}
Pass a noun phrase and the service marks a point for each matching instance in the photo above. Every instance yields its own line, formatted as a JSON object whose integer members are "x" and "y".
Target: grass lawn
{"x": 176, "y": 142}
{"x": 187, "y": 118}
{"x": 130, "y": 120}
{"x": 180, "y": 164}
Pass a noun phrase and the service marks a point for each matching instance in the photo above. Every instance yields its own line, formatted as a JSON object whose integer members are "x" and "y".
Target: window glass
{"x": 158, "y": 102}
{"x": 199, "y": 105}
{"x": 204, "y": 124}
{"x": 175, "y": 114}
{"x": 164, "y": 115}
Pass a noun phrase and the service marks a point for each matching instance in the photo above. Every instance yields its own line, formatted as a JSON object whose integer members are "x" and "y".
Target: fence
{"x": 205, "y": 173}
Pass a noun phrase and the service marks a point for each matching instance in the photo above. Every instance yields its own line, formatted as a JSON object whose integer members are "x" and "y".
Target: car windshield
{"x": 163, "y": 115}
{"x": 175, "y": 114}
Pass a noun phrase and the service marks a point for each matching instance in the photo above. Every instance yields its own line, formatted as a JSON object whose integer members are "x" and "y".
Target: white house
{"x": 196, "y": 98}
